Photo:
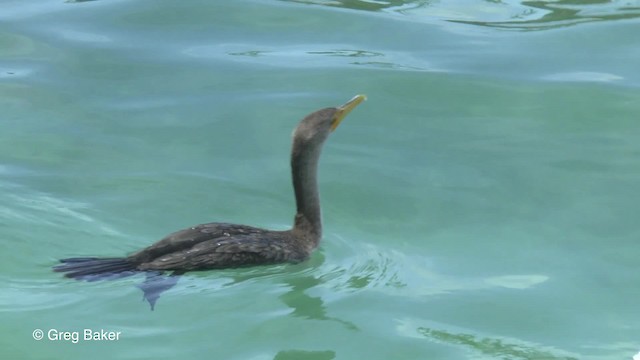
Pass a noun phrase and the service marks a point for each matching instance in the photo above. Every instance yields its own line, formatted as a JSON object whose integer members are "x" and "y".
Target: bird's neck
{"x": 304, "y": 167}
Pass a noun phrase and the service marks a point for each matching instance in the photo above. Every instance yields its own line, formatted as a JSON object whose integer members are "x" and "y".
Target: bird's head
{"x": 316, "y": 127}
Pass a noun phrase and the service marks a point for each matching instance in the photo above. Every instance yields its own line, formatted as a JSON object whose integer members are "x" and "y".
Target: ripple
{"x": 514, "y": 15}
{"x": 11, "y": 72}
{"x": 27, "y": 206}
{"x": 552, "y": 15}
{"x": 27, "y": 295}
{"x": 516, "y": 281}
{"x": 583, "y": 76}
{"x": 364, "y": 266}
{"x": 329, "y": 55}
{"x": 82, "y": 36}
{"x": 479, "y": 344}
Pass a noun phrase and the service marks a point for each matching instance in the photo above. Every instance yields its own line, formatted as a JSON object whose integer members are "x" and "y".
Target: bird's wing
{"x": 188, "y": 238}
{"x": 236, "y": 251}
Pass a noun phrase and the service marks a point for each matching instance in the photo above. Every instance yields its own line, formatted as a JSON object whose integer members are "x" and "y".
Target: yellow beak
{"x": 346, "y": 109}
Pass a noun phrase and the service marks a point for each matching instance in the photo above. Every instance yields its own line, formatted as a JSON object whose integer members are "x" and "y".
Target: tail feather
{"x": 78, "y": 259}
{"x": 94, "y": 268}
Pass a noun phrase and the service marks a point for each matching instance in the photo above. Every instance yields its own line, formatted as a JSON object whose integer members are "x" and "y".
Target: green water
{"x": 483, "y": 204}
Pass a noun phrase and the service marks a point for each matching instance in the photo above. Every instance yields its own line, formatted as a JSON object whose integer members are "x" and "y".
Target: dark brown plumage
{"x": 222, "y": 245}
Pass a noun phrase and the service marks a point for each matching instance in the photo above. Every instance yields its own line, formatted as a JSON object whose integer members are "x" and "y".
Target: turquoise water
{"x": 483, "y": 204}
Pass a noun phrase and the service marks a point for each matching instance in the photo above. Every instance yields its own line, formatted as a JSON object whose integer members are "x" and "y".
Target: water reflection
{"x": 493, "y": 347}
{"x": 480, "y": 345}
{"x": 306, "y": 306}
{"x": 524, "y": 15}
{"x": 368, "y": 5}
{"x": 542, "y": 15}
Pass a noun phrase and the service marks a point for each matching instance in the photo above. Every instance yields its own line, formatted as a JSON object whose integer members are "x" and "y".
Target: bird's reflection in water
{"x": 298, "y": 279}
{"x": 308, "y": 307}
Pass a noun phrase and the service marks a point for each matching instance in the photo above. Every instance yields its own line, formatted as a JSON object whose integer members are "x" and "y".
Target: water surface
{"x": 481, "y": 205}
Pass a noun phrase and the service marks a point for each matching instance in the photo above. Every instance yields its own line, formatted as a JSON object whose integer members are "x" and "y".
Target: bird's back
{"x": 219, "y": 245}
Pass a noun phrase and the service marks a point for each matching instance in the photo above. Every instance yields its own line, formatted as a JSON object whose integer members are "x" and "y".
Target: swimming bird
{"x": 223, "y": 245}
